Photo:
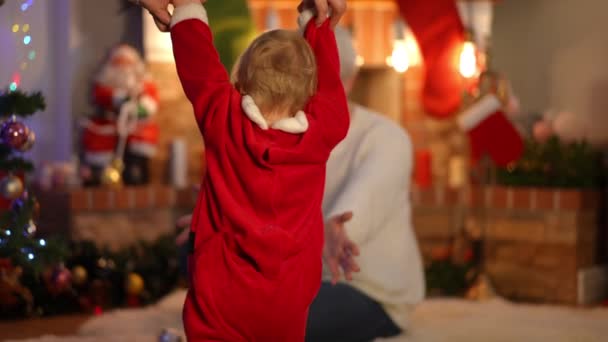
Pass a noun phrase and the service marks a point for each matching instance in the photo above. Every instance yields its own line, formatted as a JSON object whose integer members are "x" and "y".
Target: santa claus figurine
{"x": 124, "y": 129}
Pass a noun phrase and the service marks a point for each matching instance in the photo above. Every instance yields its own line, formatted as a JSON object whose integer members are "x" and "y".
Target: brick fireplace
{"x": 538, "y": 244}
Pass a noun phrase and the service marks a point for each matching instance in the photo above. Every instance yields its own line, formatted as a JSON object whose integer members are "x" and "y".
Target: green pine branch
{"x": 20, "y": 103}
{"x": 15, "y": 164}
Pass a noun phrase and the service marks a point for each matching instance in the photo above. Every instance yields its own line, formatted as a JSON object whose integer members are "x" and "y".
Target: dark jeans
{"x": 342, "y": 313}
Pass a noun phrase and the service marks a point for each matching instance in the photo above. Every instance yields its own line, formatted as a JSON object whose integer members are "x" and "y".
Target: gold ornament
{"x": 135, "y": 284}
{"x": 79, "y": 275}
{"x": 112, "y": 174}
{"x": 11, "y": 187}
{"x": 31, "y": 139}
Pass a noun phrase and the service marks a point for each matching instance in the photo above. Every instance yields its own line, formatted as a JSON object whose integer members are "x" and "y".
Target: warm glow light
{"x": 360, "y": 60}
{"x": 468, "y": 60}
{"x": 400, "y": 59}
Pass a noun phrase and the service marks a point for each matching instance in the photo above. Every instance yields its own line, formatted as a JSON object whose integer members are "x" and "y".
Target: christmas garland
{"x": 63, "y": 277}
{"x": 556, "y": 164}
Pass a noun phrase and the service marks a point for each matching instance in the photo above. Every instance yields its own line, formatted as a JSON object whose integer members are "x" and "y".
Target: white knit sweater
{"x": 369, "y": 173}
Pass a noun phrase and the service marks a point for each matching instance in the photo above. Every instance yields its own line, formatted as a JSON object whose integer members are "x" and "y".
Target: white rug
{"x": 437, "y": 320}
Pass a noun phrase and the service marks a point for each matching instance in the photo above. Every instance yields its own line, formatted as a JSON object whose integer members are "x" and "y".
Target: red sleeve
{"x": 329, "y": 105}
{"x": 203, "y": 77}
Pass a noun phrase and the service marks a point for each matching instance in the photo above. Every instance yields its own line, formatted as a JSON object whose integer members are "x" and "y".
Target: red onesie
{"x": 257, "y": 226}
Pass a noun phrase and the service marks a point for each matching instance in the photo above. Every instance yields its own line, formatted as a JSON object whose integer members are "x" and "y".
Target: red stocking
{"x": 437, "y": 27}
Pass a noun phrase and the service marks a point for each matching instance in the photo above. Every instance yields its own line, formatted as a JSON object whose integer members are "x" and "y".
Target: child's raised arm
{"x": 329, "y": 105}
{"x": 203, "y": 77}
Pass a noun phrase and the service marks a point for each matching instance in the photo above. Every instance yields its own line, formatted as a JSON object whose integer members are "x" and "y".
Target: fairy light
{"x": 468, "y": 60}
{"x": 17, "y": 28}
{"x": 42, "y": 242}
{"x": 30, "y": 256}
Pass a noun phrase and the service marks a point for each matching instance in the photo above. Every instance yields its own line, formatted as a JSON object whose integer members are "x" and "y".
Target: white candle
{"x": 179, "y": 163}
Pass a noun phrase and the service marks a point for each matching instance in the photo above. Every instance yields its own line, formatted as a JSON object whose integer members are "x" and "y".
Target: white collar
{"x": 296, "y": 124}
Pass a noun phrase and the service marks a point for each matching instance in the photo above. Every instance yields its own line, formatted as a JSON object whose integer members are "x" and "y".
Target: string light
{"x": 30, "y": 256}
{"x": 468, "y": 60}
{"x": 42, "y": 242}
{"x": 7, "y": 232}
{"x": 27, "y": 40}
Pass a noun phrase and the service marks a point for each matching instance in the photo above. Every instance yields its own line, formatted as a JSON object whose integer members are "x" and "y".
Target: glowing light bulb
{"x": 15, "y": 28}
{"x": 12, "y": 87}
{"x": 42, "y": 242}
{"x": 400, "y": 59}
{"x": 468, "y": 60}
{"x": 30, "y": 256}
{"x": 27, "y": 40}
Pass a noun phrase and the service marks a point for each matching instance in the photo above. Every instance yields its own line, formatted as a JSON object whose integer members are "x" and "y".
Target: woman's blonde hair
{"x": 278, "y": 70}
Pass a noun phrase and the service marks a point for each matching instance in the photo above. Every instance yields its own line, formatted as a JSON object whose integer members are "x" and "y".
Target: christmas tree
{"x": 18, "y": 208}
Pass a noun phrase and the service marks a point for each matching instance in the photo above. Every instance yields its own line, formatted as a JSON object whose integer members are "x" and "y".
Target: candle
{"x": 179, "y": 163}
{"x": 457, "y": 176}
{"x": 422, "y": 170}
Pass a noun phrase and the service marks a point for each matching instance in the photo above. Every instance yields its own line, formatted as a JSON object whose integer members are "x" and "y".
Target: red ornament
{"x": 14, "y": 133}
{"x": 6, "y": 264}
{"x": 133, "y": 301}
{"x": 422, "y": 172}
{"x": 98, "y": 310}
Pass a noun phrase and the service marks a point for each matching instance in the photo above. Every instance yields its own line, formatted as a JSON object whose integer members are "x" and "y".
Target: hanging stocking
{"x": 437, "y": 27}
{"x": 491, "y": 132}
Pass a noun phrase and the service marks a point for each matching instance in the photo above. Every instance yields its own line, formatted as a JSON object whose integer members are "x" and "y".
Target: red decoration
{"x": 440, "y": 34}
{"x": 14, "y": 134}
{"x": 491, "y": 132}
{"x": 422, "y": 171}
{"x": 133, "y": 301}
{"x": 98, "y": 310}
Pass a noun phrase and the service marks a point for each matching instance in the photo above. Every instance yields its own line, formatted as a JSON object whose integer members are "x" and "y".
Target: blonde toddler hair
{"x": 278, "y": 70}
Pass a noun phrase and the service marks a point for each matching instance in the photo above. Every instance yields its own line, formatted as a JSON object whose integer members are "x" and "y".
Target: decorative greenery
{"x": 232, "y": 28}
{"x": 555, "y": 164}
{"x": 107, "y": 274}
{"x": 21, "y": 104}
{"x": 452, "y": 272}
